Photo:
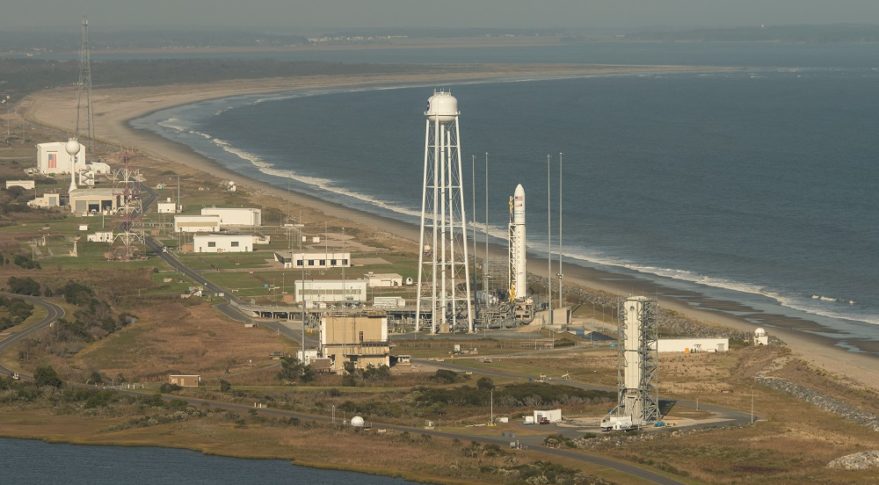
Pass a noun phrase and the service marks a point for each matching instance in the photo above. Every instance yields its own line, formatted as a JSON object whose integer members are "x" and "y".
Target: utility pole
{"x": 549, "y": 236}
{"x": 752, "y": 405}
{"x": 491, "y": 408}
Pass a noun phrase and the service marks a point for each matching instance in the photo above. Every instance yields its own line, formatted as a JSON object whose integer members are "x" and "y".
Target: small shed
{"x": 185, "y": 380}
{"x": 547, "y": 415}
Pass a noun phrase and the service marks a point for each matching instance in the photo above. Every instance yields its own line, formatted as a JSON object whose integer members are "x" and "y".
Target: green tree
{"x": 46, "y": 376}
{"x": 225, "y": 386}
{"x": 294, "y": 370}
{"x": 23, "y": 286}
{"x": 485, "y": 384}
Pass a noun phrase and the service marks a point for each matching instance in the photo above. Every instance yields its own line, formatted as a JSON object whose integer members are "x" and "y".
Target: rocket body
{"x": 518, "y": 261}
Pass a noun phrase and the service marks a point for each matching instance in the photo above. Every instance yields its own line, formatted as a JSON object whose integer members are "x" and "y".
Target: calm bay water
{"x": 36, "y": 462}
{"x": 755, "y": 186}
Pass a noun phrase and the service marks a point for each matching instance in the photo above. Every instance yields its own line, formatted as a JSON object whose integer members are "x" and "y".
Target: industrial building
{"x": 235, "y": 216}
{"x": 222, "y": 243}
{"x": 25, "y": 184}
{"x": 100, "y": 237}
{"x": 547, "y": 416}
{"x": 167, "y": 207}
{"x": 692, "y": 345}
{"x": 105, "y": 200}
{"x": 45, "y": 201}
{"x": 330, "y": 291}
{"x": 292, "y": 259}
{"x": 196, "y": 223}
{"x": 184, "y": 380}
{"x": 53, "y": 159}
{"x": 359, "y": 339}
{"x": 760, "y": 337}
{"x": 383, "y": 280}
{"x": 388, "y": 302}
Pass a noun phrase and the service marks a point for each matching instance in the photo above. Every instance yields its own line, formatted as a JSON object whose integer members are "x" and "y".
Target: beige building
{"x": 185, "y": 380}
{"x": 361, "y": 339}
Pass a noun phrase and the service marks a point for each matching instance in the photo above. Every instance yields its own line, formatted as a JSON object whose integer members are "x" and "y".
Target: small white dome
{"x": 72, "y": 147}
{"x": 357, "y": 422}
{"x": 442, "y": 106}
{"x": 760, "y": 332}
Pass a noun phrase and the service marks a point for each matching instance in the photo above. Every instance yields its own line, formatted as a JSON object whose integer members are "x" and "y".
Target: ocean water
{"x": 37, "y": 462}
{"x": 758, "y": 186}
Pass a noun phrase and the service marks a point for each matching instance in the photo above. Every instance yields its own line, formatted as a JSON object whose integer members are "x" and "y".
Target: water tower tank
{"x": 442, "y": 106}
{"x": 72, "y": 147}
{"x": 357, "y": 422}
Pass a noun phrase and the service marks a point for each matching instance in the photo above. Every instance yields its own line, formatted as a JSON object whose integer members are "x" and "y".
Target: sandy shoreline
{"x": 116, "y": 107}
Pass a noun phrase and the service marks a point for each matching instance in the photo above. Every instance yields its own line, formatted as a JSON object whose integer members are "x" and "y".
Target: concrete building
{"x": 194, "y": 223}
{"x": 222, "y": 243}
{"x": 383, "y": 280}
{"x": 292, "y": 259}
{"x": 94, "y": 201}
{"x": 167, "y": 207}
{"x": 184, "y": 380}
{"x": 330, "y": 291}
{"x": 45, "y": 201}
{"x": 235, "y": 216}
{"x": 100, "y": 237}
{"x": 691, "y": 345}
{"x": 359, "y": 339}
{"x": 549, "y": 415}
{"x": 389, "y": 302}
{"x": 53, "y": 159}
{"x": 25, "y": 184}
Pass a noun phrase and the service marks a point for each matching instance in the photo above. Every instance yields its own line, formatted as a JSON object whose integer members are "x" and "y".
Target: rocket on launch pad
{"x": 518, "y": 277}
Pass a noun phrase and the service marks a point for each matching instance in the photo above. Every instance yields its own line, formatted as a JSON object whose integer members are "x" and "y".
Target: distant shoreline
{"x": 117, "y": 107}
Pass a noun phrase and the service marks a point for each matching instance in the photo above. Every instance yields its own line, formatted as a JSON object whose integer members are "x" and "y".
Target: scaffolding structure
{"x": 638, "y": 397}
{"x": 127, "y": 182}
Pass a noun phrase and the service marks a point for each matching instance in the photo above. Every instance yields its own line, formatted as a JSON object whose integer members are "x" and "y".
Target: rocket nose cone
{"x": 520, "y": 190}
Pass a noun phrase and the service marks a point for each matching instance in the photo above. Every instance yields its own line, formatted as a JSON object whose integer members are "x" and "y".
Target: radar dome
{"x": 760, "y": 332}
{"x": 357, "y": 422}
{"x": 72, "y": 147}
{"x": 442, "y": 106}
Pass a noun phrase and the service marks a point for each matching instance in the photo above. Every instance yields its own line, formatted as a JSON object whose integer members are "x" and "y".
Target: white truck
{"x": 617, "y": 423}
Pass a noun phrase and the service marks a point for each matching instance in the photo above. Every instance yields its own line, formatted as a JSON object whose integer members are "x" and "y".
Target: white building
{"x": 52, "y": 158}
{"x": 760, "y": 337}
{"x": 235, "y": 216}
{"x": 167, "y": 207}
{"x": 194, "y": 223}
{"x": 383, "y": 280}
{"x": 45, "y": 201}
{"x": 551, "y": 415}
{"x": 25, "y": 184}
{"x": 389, "y": 302}
{"x": 688, "y": 345}
{"x": 222, "y": 243}
{"x": 313, "y": 260}
{"x": 100, "y": 237}
{"x": 330, "y": 291}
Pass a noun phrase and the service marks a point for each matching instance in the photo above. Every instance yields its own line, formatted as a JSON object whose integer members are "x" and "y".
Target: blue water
{"x": 757, "y": 186}
{"x": 38, "y": 463}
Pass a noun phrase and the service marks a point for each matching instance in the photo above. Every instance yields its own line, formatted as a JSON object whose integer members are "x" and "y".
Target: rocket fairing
{"x": 517, "y": 271}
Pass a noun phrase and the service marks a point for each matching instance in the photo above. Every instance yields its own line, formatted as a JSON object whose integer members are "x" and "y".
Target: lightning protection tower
{"x": 638, "y": 362}
{"x": 84, "y": 88}
{"x": 443, "y": 271}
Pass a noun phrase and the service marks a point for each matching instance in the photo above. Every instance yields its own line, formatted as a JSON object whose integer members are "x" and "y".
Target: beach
{"x": 114, "y": 108}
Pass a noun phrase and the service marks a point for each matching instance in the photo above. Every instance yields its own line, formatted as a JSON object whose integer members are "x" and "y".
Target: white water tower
{"x": 443, "y": 271}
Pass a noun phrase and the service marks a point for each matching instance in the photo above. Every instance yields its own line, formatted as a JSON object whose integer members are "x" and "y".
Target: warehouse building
{"x": 222, "y": 243}
{"x": 105, "y": 200}
{"x": 167, "y": 207}
{"x": 692, "y": 345}
{"x": 235, "y": 216}
{"x": 53, "y": 159}
{"x": 292, "y": 259}
{"x": 315, "y": 292}
{"x": 383, "y": 280}
{"x": 195, "y": 223}
{"x": 359, "y": 339}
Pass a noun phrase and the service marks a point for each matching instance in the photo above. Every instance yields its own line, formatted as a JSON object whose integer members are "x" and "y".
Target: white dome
{"x": 72, "y": 147}
{"x": 442, "y": 106}
{"x": 760, "y": 332}
{"x": 357, "y": 422}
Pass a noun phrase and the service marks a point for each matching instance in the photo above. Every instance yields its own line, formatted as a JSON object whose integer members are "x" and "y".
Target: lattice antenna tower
{"x": 132, "y": 230}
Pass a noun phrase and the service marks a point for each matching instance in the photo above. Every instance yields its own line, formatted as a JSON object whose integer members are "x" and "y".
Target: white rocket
{"x": 518, "y": 275}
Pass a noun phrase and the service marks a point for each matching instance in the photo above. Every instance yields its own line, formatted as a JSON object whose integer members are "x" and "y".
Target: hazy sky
{"x": 310, "y": 16}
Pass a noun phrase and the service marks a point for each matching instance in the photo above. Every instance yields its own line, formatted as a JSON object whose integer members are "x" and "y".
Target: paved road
{"x": 53, "y": 313}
